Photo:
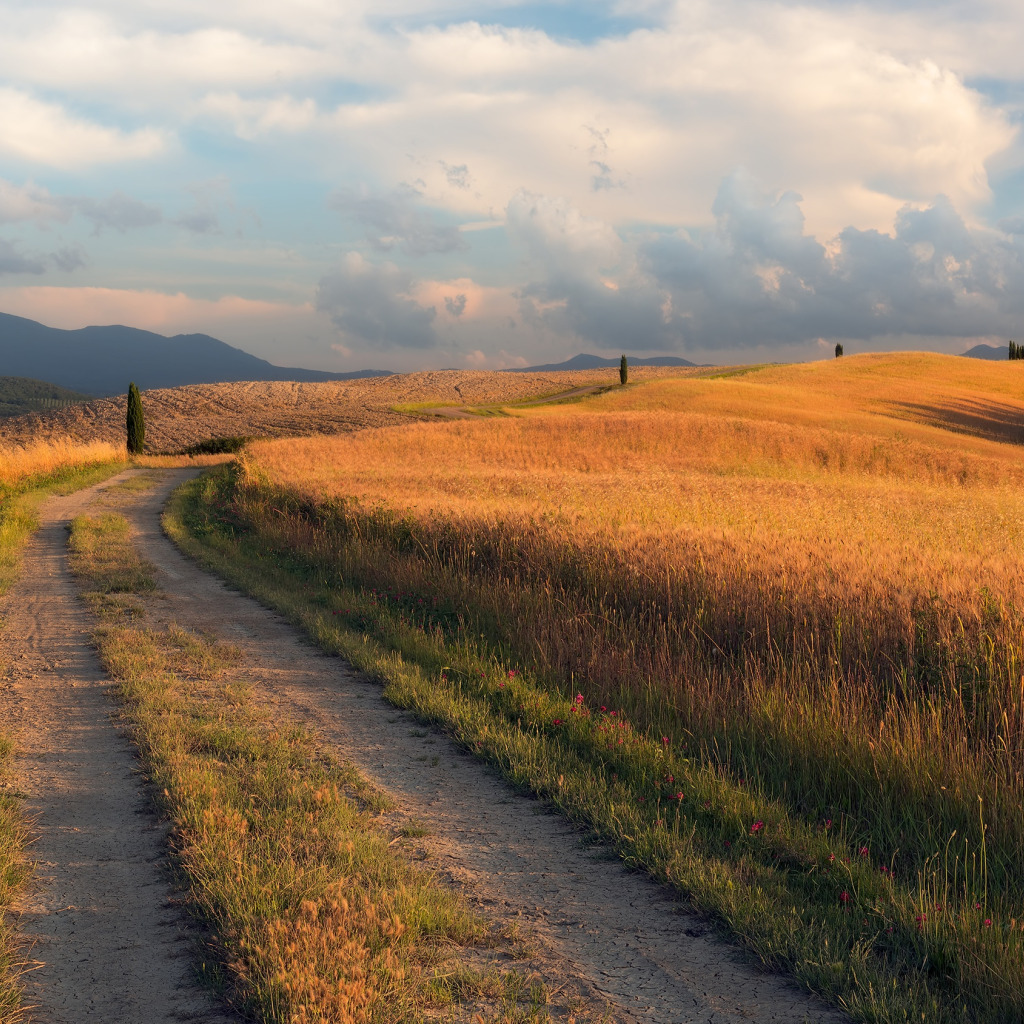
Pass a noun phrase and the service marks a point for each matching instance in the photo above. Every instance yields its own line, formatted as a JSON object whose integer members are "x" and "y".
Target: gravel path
{"x": 628, "y": 937}
{"x": 109, "y": 945}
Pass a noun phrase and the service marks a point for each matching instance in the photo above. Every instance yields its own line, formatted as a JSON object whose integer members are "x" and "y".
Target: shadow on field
{"x": 995, "y": 421}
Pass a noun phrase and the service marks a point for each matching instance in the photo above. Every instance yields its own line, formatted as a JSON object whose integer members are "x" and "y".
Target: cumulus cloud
{"x": 394, "y": 221}
{"x": 45, "y": 133}
{"x": 758, "y": 278}
{"x": 373, "y": 303}
{"x": 558, "y": 235}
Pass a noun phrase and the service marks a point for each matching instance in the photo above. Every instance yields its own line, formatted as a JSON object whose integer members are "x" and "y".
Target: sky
{"x": 413, "y": 184}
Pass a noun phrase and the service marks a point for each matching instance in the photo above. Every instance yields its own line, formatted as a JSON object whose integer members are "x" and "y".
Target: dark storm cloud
{"x": 372, "y": 303}
{"x": 394, "y": 221}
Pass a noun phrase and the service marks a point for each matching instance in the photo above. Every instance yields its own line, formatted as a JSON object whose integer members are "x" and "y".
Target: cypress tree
{"x": 839, "y": 349}
{"x": 136, "y": 422}
{"x": 623, "y": 369}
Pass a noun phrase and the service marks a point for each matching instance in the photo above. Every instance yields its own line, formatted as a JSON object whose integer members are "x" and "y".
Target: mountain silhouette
{"x": 988, "y": 352}
{"x": 101, "y": 361}
{"x": 588, "y": 362}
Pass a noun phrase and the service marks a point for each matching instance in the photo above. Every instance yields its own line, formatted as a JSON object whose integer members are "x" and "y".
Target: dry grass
{"x": 311, "y": 912}
{"x": 45, "y": 458}
{"x": 805, "y": 578}
{"x": 177, "y": 418}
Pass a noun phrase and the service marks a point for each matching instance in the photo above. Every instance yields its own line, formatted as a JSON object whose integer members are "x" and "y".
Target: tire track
{"x": 623, "y": 934}
{"x": 107, "y": 941}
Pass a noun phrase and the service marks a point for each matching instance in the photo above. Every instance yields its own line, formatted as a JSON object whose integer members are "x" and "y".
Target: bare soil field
{"x": 179, "y": 417}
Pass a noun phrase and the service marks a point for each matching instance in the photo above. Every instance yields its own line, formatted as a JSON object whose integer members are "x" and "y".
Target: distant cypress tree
{"x": 839, "y": 349}
{"x": 623, "y": 369}
{"x": 136, "y": 422}
{"x": 1016, "y": 350}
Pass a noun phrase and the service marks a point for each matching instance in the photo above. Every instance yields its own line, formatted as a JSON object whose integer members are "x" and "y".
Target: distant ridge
{"x": 988, "y": 352}
{"x": 102, "y": 360}
{"x": 588, "y": 362}
{"x": 19, "y": 395}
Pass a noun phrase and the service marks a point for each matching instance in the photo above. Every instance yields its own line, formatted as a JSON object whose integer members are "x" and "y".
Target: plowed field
{"x": 179, "y": 417}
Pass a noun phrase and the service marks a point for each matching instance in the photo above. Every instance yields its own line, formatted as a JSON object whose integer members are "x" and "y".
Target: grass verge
{"x": 310, "y": 912}
{"x": 18, "y": 504}
{"x": 805, "y": 895}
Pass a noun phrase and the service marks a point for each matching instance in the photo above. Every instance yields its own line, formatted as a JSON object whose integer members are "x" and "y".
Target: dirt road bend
{"x": 626, "y": 935}
{"x": 108, "y": 945}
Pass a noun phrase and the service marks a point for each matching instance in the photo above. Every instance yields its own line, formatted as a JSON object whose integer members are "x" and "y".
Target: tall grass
{"x": 311, "y": 911}
{"x": 797, "y": 580}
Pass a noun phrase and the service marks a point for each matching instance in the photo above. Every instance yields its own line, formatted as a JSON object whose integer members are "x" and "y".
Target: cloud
{"x": 45, "y": 133}
{"x": 457, "y": 176}
{"x": 757, "y": 278}
{"x": 119, "y": 212}
{"x": 68, "y": 259}
{"x": 373, "y": 303}
{"x": 558, "y": 235}
{"x": 393, "y": 221}
{"x": 13, "y": 261}
{"x": 455, "y": 304}
{"x": 30, "y": 202}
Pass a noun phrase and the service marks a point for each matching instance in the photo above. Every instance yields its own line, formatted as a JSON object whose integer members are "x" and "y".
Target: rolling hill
{"x": 102, "y": 360}
{"x": 20, "y": 395}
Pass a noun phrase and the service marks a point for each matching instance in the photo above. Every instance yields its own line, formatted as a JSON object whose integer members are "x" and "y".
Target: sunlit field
{"x": 44, "y": 458}
{"x": 800, "y": 591}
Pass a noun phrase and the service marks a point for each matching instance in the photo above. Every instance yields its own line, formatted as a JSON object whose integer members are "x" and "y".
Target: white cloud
{"x": 30, "y": 202}
{"x": 45, "y": 133}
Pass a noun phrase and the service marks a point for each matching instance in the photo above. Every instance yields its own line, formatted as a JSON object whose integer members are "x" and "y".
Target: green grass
{"x": 801, "y": 894}
{"x": 311, "y": 914}
{"x": 18, "y": 521}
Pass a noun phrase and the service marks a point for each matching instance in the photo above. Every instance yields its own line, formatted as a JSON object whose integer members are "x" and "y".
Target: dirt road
{"x": 628, "y": 936}
{"x": 111, "y": 949}
{"x": 108, "y": 945}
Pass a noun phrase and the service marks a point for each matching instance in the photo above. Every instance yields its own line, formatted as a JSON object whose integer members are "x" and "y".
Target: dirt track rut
{"x": 108, "y": 945}
{"x": 627, "y": 936}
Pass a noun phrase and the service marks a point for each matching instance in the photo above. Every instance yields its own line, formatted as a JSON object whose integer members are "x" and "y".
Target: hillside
{"x": 179, "y": 417}
{"x": 102, "y": 360}
{"x": 21, "y": 395}
{"x": 762, "y": 628}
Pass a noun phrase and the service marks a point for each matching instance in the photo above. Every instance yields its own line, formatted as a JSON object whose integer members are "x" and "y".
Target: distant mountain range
{"x": 102, "y": 361}
{"x": 587, "y": 362}
{"x": 988, "y": 352}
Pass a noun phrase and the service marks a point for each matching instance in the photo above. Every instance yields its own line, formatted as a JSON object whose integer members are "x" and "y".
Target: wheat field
{"x": 806, "y": 579}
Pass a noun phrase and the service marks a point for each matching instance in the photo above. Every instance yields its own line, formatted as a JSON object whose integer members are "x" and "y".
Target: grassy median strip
{"x": 805, "y": 896}
{"x": 311, "y": 913}
{"x": 19, "y": 499}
